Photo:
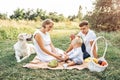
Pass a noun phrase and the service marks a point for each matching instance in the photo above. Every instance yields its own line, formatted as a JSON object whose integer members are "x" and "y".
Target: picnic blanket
{"x": 36, "y": 64}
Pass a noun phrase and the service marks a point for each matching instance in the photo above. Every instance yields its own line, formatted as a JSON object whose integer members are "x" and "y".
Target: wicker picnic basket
{"x": 92, "y": 66}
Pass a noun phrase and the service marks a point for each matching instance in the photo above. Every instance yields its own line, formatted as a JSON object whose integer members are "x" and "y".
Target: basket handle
{"x": 106, "y": 45}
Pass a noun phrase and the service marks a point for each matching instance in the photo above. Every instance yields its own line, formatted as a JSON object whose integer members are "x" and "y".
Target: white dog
{"x": 22, "y": 48}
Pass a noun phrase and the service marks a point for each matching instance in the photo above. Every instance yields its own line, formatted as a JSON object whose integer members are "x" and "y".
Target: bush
{"x": 12, "y": 32}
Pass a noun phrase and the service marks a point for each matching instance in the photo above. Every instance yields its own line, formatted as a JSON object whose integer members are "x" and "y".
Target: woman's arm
{"x": 94, "y": 49}
{"x": 39, "y": 40}
{"x": 53, "y": 48}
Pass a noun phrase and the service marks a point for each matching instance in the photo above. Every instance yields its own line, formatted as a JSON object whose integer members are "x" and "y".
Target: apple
{"x": 100, "y": 62}
{"x": 103, "y": 63}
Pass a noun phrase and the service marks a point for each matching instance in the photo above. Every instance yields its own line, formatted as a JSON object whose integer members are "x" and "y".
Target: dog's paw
{"x": 19, "y": 61}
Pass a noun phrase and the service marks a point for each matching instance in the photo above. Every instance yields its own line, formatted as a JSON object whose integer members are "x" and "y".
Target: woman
{"x": 44, "y": 47}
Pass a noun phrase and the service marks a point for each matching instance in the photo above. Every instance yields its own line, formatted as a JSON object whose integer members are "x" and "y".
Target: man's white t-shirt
{"x": 90, "y": 36}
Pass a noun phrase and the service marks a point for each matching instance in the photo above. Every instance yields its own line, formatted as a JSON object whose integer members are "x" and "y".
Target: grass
{"x": 9, "y": 29}
{"x": 11, "y": 70}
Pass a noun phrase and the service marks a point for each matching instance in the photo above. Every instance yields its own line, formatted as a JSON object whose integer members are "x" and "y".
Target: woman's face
{"x": 84, "y": 29}
{"x": 48, "y": 27}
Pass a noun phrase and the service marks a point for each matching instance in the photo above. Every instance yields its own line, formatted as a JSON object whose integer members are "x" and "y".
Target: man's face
{"x": 84, "y": 29}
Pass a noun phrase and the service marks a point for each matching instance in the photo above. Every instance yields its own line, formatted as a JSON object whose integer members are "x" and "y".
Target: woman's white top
{"x": 44, "y": 57}
{"x": 90, "y": 36}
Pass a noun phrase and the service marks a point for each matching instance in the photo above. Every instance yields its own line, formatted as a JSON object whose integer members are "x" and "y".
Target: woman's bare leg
{"x": 35, "y": 60}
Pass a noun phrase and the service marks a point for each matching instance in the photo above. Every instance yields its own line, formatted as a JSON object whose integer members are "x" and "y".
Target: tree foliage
{"x": 38, "y": 14}
{"x": 79, "y": 15}
{"x": 3, "y": 16}
{"x": 106, "y": 15}
{"x": 18, "y": 14}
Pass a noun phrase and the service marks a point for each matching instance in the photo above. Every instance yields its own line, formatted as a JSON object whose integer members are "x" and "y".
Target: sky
{"x": 65, "y": 7}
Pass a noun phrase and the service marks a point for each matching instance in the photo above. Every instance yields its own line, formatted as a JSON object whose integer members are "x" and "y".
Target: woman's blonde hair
{"x": 77, "y": 40}
{"x": 47, "y": 22}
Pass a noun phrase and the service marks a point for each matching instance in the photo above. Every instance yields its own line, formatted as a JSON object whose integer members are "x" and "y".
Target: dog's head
{"x": 25, "y": 37}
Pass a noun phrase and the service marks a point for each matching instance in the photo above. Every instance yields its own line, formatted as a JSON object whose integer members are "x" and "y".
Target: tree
{"x": 71, "y": 18}
{"x": 38, "y": 14}
{"x": 41, "y": 14}
{"x": 53, "y": 16}
{"x": 79, "y": 15}
{"x": 105, "y": 15}
{"x": 18, "y": 14}
{"x": 3, "y": 16}
{"x": 27, "y": 14}
{"x": 61, "y": 17}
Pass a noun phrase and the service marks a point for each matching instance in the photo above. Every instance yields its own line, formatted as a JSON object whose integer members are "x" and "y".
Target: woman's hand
{"x": 66, "y": 57}
{"x": 60, "y": 58}
{"x": 54, "y": 51}
{"x": 65, "y": 53}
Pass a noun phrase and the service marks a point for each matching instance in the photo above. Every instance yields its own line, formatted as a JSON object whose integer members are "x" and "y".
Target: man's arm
{"x": 94, "y": 49}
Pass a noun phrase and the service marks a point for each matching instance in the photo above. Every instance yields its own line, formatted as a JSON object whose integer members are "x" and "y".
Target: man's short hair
{"x": 83, "y": 23}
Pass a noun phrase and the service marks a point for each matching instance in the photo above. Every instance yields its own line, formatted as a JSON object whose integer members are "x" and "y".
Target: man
{"x": 88, "y": 37}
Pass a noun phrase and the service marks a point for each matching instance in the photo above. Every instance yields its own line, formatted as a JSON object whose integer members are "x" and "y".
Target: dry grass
{"x": 9, "y": 29}
{"x": 35, "y": 24}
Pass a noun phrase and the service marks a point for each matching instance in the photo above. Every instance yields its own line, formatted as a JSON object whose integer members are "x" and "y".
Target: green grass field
{"x": 11, "y": 70}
